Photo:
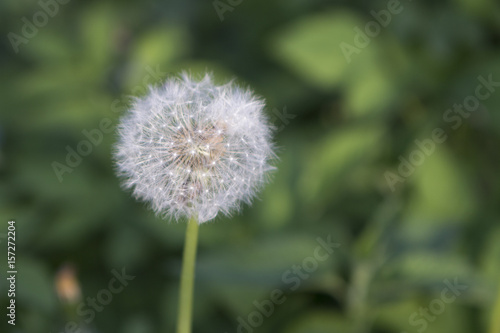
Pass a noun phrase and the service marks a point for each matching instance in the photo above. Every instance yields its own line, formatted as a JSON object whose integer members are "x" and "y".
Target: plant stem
{"x": 187, "y": 278}
{"x": 495, "y": 316}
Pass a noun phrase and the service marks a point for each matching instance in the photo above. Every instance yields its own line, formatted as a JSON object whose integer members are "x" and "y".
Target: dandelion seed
{"x": 201, "y": 133}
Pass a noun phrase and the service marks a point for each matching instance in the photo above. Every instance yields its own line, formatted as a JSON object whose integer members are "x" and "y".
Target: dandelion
{"x": 192, "y": 150}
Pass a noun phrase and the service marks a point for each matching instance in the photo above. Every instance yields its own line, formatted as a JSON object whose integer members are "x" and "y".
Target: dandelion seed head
{"x": 192, "y": 148}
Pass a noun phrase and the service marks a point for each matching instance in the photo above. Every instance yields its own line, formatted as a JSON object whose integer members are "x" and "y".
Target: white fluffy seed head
{"x": 191, "y": 148}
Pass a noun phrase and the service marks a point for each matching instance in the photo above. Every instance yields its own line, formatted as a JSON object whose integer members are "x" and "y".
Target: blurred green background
{"x": 341, "y": 126}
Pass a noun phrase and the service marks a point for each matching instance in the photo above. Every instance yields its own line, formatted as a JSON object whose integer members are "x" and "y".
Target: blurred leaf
{"x": 372, "y": 91}
{"x": 319, "y": 322}
{"x": 491, "y": 256}
{"x": 311, "y": 46}
{"x": 428, "y": 268}
{"x": 407, "y": 316}
{"x": 157, "y": 49}
{"x": 241, "y": 274}
{"x": 442, "y": 194}
{"x": 340, "y": 154}
{"x": 99, "y": 28}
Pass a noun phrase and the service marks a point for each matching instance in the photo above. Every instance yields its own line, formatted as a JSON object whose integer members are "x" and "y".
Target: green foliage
{"x": 351, "y": 122}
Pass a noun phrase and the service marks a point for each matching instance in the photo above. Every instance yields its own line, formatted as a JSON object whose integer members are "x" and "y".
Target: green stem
{"x": 187, "y": 278}
{"x": 495, "y": 316}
